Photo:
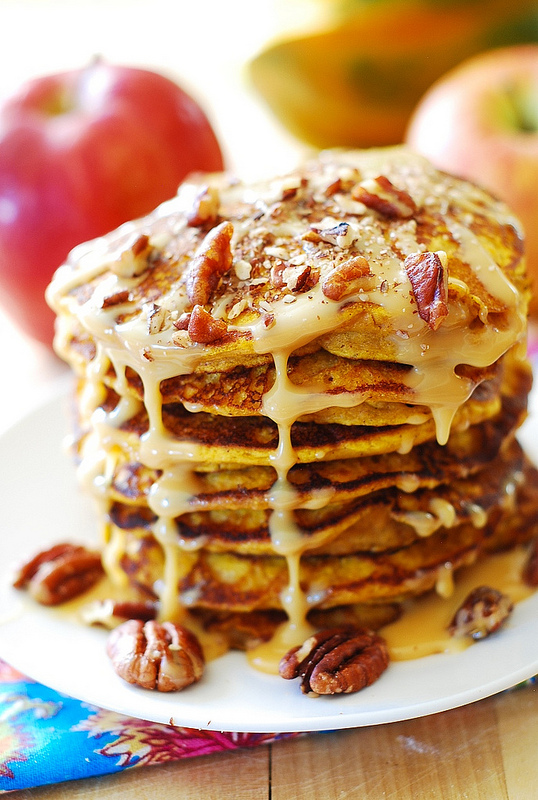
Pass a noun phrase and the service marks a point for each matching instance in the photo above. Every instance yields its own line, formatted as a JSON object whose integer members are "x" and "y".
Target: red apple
{"x": 480, "y": 121}
{"x": 81, "y": 152}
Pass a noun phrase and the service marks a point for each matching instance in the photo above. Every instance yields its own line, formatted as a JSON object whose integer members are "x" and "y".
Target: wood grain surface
{"x": 484, "y": 751}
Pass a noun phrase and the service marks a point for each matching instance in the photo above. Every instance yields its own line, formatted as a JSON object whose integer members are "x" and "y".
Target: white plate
{"x": 41, "y": 505}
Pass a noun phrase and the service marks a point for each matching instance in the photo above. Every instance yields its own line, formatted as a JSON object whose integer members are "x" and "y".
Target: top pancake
{"x": 360, "y": 277}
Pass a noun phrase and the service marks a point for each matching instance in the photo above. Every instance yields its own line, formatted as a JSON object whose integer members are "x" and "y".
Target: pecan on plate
{"x": 482, "y": 613}
{"x": 162, "y": 656}
{"x": 337, "y": 660}
{"x": 59, "y": 574}
{"x": 428, "y": 276}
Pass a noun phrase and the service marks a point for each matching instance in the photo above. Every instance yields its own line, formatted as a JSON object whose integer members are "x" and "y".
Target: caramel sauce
{"x": 422, "y": 628}
{"x": 266, "y": 656}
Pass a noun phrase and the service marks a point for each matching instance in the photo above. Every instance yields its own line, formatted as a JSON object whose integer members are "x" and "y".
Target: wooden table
{"x": 484, "y": 751}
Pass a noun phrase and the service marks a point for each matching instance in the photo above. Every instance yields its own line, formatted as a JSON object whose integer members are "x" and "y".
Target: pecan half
{"x": 205, "y": 209}
{"x": 429, "y": 280}
{"x": 162, "y": 656}
{"x": 204, "y": 328}
{"x": 59, "y": 574}
{"x": 337, "y": 660}
{"x": 382, "y": 196}
{"x": 530, "y": 570}
{"x": 212, "y": 260}
{"x": 346, "y": 278}
{"x": 482, "y": 613}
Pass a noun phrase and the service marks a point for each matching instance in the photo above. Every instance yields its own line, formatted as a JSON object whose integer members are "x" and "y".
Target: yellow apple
{"x": 480, "y": 121}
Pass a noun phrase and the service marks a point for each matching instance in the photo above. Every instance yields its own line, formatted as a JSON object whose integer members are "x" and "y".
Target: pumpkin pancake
{"x": 297, "y": 400}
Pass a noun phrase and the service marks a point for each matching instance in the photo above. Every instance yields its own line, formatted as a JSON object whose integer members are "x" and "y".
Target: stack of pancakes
{"x": 297, "y": 400}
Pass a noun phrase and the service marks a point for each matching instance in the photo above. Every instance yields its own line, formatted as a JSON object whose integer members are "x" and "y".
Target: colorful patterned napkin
{"x": 47, "y": 737}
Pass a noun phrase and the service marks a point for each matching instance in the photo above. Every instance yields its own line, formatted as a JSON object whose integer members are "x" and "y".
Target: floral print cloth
{"x": 47, "y": 737}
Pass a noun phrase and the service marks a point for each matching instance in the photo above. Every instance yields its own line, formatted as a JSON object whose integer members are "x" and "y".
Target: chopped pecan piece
{"x": 341, "y": 234}
{"x": 135, "y": 259}
{"x": 205, "y": 210}
{"x": 109, "y": 613}
{"x": 162, "y": 656}
{"x": 304, "y": 281}
{"x": 346, "y": 278}
{"x": 182, "y": 323}
{"x": 116, "y": 299}
{"x": 290, "y": 186}
{"x": 156, "y": 316}
{"x": 311, "y": 235}
{"x": 297, "y": 279}
{"x": 334, "y": 187}
{"x": 337, "y": 660}
{"x": 212, "y": 260}
{"x": 530, "y": 570}
{"x": 429, "y": 280}
{"x": 382, "y": 196}
{"x": 59, "y": 574}
{"x": 482, "y": 612}
{"x": 204, "y": 328}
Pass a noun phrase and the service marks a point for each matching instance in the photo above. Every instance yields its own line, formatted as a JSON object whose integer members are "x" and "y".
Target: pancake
{"x": 297, "y": 400}
{"x": 231, "y": 581}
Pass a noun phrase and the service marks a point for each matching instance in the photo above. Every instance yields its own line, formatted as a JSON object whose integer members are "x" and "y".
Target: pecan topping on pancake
{"x": 429, "y": 280}
{"x": 381, "y": 195}
{"x": 346, "y": 279}
{"x": 205, "y": 210}
{"x": 213, "y": 260}
{"x": 204, "y": 328}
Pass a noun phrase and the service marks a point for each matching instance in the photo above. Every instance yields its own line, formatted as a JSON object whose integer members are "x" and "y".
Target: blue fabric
{"x": 47, "y": 737}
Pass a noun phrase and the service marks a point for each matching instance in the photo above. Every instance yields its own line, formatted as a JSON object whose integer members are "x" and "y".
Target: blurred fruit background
{"x": 354, "y": 78}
